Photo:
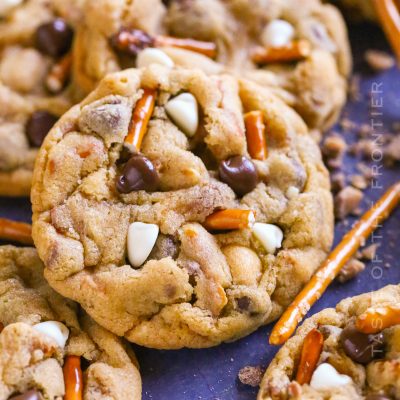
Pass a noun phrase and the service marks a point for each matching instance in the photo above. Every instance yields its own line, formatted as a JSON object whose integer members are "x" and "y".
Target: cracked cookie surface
{"x": 352, "y": 364}
{"x": 42, "y": 330}
{"x": 314, "y": 83}
{"x": 160, "y": 245}
{"x": 35, "y": 39}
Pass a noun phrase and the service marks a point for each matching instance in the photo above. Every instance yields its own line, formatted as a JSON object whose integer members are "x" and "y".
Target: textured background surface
{"x": 212, "y": 373}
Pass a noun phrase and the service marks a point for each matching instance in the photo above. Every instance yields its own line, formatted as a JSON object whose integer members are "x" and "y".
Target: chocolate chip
{"x": 360, "y": 347}
{"x": 130, "y": 41}
{"x": 38, "y": 127}
{"x": 243, "y": 303}
{"x": 239, "y": 173}
{"x": 377, "y": 397}
{"x": 138, "y": 173}
{"x": 54, "y": 38}
{"x": 30, "y": 395}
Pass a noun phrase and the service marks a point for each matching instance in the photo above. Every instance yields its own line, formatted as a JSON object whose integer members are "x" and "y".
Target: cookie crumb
{"x": 369, "y": 252}
{"x": 354, "y": 88}
{"x": 333, "y": 150}
{"x": 338, "y": 182}
{"x": 251, "y": 376}
{"x": 347, "y": 201}
{"x": 359, "y": 181}
{"x": 350, "y": 270}
{"x": 379, "y": 60}
{"x": 392, "y": 151}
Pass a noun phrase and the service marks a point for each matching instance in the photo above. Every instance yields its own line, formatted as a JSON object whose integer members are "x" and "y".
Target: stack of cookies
{"x": 179, "y": 195}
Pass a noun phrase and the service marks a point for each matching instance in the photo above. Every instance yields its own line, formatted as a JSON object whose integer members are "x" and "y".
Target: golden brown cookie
{"x": 157, "y": 241}
{"x": 301, "y": 52}
{"x": 35, "y": 61}
{"x": 356, "y": 348}
{"x": 45, "y": 337}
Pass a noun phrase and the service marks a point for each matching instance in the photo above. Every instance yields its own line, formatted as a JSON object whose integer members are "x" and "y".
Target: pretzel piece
{"x": 255, "y": 134}
{"x": 230, "y": 219}
{"x": 15, "y": 231}
{"x": 375, "y": 320}
{"x": 59, "y": 74}
{"x": 208, "y": 49}
{"x": 294, "y": 51}
{"x": 327, "y": 272}
{"x": 73, "y": 378}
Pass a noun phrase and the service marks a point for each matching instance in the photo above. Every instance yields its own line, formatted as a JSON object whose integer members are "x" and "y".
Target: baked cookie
{"x": 355, "y": 348}
{"x": 35, "y": 39}
{"x": 43, "y": 340}
{"x": 149, "y": 225}
{"x": 302, "y": 52}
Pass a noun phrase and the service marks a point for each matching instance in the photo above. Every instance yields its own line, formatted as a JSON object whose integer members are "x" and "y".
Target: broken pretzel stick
{"x": 73, "y": 378}
{"x": 255, "y": 134}
{"x": 310, "y": 353}
{"x": 294, "y": 51}
{"x": 333, "y": 264}
{"x": 375, "y": 320}
{"x": 230, "y": 219}
{"x": 389, "y": 15}
{"x": 140, "y": 119}
{"x": 15, "y": 231}
{"x": 208, "y": 49}
{"x": 59, "y": 74}
{"x": 1, "y": 327}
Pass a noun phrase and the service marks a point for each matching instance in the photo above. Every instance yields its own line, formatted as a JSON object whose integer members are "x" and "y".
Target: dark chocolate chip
{"x": 30, "y": 395}
{"x": 138, "y": 173}
{"x": 360, "y": 347}
{"x": 165, "y": 246}
{"x": 38, "y": 127}
{"x": 377, "y": 397}
{"x": 239, "y": 173}
{"x": 130, "y": 41}
{"x": 243, "y": 303}
{"x": 54, "y": 38}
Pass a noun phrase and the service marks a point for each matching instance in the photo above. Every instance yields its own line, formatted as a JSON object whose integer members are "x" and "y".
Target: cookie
{"x": 35, "y": 40}
{"x": 301, "y": 52}
{"x": 358, "y": 360}
{"x": 159, "y": 245}
{"x": 42, "y": 332}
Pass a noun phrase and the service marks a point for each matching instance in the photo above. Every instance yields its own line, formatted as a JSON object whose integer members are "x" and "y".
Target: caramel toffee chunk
{"x": 50, "y": 350}
{"x": 352, "y": 364}
{"x": 183, "y": 239}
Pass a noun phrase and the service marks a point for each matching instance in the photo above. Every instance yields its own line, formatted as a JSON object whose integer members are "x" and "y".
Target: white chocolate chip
{"x": 321, "y": 38}
{"x": 269, "y": 235}
{"x": 57, "y": 330}
{"x": 183, "y": 111}
{"x": 141, "y": 240}
{"x": 326, "y": 376}
{"x": 277, "y": 33}
{"x": 153, "y": 56}
{"x": 7, "y": 5}
{"x": 292, "y": 192}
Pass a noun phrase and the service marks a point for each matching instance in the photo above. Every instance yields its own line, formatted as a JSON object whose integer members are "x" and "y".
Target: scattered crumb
{"x": 350, "y": 270}
{"x": 338, "y": 182}
{"x": 251, "y": 376}
{"x": 347, "y": 124}
{"x": 379, "y": 60}
{"x": 392, "y": 151}
{"x": 365, "y": 170}
{"x": 369, "y": 252}
{"x": 364, "y": 148}
{"x": 347, "y": 202}
{"x": 333, "y": 150}
{"x": 359, "y": 182}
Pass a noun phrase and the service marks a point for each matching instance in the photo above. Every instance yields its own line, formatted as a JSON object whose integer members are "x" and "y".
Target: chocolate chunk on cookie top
{"x": 350, "y": 352}
{"x": 173, "y": 217}
{"x": 49, "y": 349}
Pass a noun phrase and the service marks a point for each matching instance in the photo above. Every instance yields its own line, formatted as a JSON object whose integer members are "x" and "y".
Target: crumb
{"x": 363, "y": 148}
{"x": 365, "y": 170}
{"x": 347, "y": 201}
{"x": 338, "y": 182}
{"x": 359, "y": 181}
{"x": 369, "y": 252}
{"x": 364, "y": 130}
{"x": 251, "y": 376}
{"x": 392, "y": 151}
{"x": 333, "y": 150}
{"x": 347, "y": 124}
{"x": 350, "y": 270}
{"x": 379, "y": 60}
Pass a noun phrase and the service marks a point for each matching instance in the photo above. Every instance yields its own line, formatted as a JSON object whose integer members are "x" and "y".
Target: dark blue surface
{"x": 212, "y": 373}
